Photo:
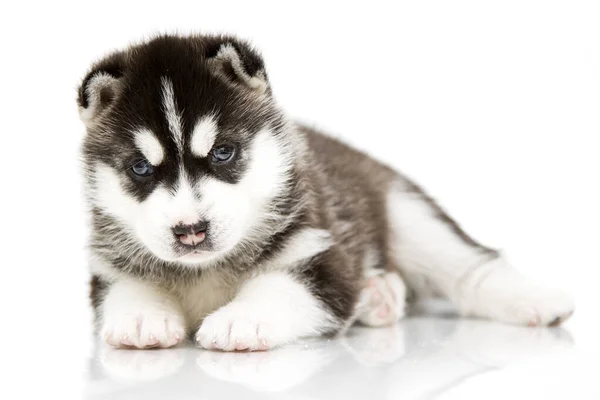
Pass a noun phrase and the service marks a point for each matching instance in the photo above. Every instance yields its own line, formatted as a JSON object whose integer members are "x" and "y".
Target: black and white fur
{"x": 303, "y": 234}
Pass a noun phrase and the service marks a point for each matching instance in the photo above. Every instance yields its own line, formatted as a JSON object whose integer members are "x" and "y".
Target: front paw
{"x": 143, "y": 330}
{"x": 239, "y": 327}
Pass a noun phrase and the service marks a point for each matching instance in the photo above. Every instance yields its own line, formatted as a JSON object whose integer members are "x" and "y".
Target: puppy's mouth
{"x": 195, "y": 253}
{"x": 196, "y": 256}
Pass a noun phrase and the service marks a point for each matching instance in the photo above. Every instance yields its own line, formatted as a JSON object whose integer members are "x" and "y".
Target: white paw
{"x": 499, "y": 292}
{"x": 383, "y": 300}
{"x": 541, "y": 307}
{"x": 239, "y": 327}
{"x": 143, "y": 330}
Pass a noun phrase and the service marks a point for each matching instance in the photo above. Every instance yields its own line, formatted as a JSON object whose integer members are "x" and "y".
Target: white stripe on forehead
{"x": 203, "y": 136}
{"x": 150, "y": 147}
{"x": 173, "y": 116}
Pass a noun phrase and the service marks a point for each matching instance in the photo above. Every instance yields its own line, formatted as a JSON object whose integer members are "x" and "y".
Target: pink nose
{"x": 191, "y": 235}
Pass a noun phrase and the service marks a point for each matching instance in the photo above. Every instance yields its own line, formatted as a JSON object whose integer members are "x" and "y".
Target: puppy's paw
{"x": 384, "y": 300}
{"x": 519, "y": 302}
{"x": 499, "y": 292}
{"x": 240, "y": 327}
{"x": 145, "y": 329}
{"x": 540, "y": 307}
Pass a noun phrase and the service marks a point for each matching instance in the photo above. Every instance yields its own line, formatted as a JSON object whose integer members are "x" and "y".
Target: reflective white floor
{"x": 423, "y": 357}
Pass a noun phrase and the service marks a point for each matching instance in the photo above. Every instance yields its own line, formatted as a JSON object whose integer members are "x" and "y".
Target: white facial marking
{"x": 151, "y": 220}
{"x": 163, "y": 210}
{"x": 203, "y": 136}
{"x": 183, "y": 207}
{"x": 236, "y": 211}
{"x": 110, "y": 196}
{"x": 170, "y": 108}
{"x": 150, "y": 147}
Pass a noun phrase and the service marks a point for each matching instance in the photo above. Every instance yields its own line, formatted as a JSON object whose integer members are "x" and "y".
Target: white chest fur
{"x": 204, "y": 296}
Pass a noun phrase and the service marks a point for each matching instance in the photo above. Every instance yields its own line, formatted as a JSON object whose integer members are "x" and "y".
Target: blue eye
{"x": 142, "y": 168}
{"x": 222, "y": 154}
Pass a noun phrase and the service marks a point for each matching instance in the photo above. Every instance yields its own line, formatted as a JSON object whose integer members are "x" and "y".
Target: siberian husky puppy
{"x": 216, "y": 218}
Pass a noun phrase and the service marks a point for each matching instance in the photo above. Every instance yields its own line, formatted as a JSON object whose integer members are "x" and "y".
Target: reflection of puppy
{"x": 273, "y": 371}
{"x": 214, "y": 214}
{"x": 408, "y": 360}
{"x": 140, "y": 366}
{"x": 372, "y": 347}
{"x": 443, "y": 353}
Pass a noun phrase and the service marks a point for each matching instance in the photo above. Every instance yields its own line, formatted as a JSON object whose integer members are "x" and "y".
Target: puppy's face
{"x": 185, "y": 150}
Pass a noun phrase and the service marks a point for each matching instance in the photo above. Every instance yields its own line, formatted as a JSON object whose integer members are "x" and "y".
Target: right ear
{"x": 98, "y": 90}
{"x": 238, "y": 63}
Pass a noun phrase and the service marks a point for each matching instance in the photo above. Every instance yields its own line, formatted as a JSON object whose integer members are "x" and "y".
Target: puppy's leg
{"x": 136, "y": 314}
{"x": 434, "y": 252}
{"x": 270, "y": 309}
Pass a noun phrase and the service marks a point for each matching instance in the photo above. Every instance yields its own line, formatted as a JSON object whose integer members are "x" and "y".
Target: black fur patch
{"x": 97, "y": 289}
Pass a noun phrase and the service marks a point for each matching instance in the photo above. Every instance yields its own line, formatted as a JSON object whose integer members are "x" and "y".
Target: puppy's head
{"x": 185, "y": 149}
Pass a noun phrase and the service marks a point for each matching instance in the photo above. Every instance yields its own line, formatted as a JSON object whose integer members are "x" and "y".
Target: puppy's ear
{"x": 99, "y": 89}
{"x": 240, "y": 64}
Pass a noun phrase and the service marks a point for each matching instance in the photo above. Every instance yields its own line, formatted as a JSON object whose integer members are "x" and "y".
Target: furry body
{"x": 296, "y": 234}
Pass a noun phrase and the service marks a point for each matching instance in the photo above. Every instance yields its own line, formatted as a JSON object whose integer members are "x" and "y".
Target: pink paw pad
{"x": 383, "y": 300}
{"x": 240, "y": 346}
{"x": 125, "y": 341}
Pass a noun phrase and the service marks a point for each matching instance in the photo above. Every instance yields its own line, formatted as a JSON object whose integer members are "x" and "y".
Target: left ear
{"x": 100, "y": 88}
{"x": 240, "y": 64}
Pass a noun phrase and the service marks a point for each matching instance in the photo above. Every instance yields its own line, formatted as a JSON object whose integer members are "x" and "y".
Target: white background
{"x": 493, "y": 106}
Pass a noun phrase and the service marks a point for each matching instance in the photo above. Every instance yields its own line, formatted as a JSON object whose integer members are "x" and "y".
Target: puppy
{"x": 216, "y": 218}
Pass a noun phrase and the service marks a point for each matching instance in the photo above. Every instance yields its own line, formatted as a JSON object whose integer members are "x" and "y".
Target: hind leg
{"x": 383, "y": 300}
{"x": 434, "y": 253}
